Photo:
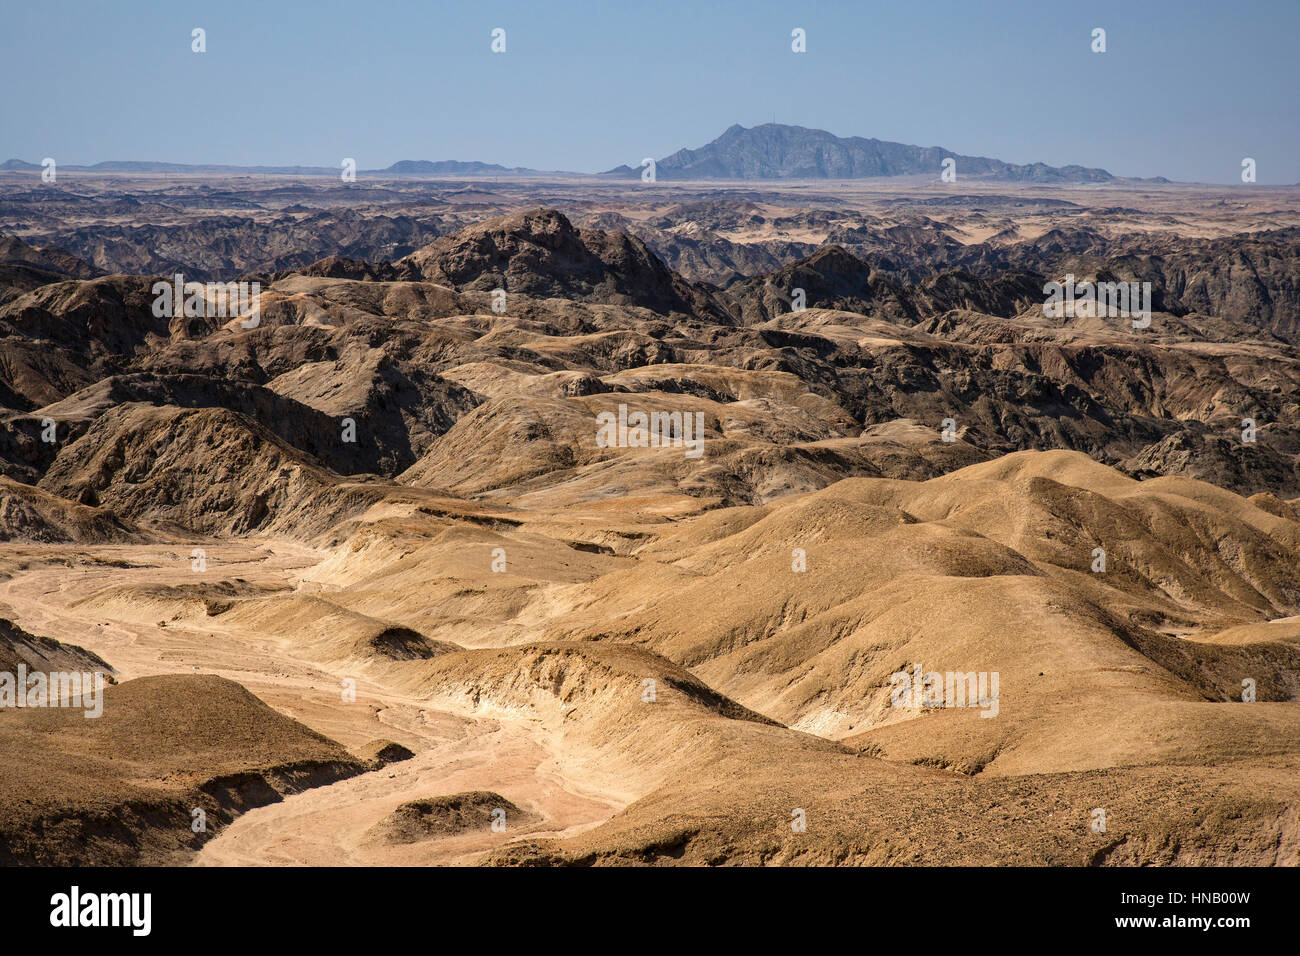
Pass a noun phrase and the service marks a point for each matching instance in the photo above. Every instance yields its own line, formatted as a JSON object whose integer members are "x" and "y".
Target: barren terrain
{"x": 393, "y": 482}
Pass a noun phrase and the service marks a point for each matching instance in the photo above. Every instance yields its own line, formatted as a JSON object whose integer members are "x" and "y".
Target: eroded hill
{"x": 639, "y": 559}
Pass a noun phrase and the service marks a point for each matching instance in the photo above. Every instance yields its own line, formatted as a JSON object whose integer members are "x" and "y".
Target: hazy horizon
{"x": 1182, "y": 91}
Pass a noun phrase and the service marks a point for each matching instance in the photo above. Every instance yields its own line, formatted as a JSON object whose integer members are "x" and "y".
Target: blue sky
{"x": 1185, "y": 89}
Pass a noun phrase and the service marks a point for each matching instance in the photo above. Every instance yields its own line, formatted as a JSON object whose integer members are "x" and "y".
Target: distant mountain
{"x": 147, "y": 166}
{"x": 406, "y": 167}
{"x": 770, "y": 151}
{"x": 135, "y": 166}
{"x": 775, "y": 151}
{"x": 452, "y": 167}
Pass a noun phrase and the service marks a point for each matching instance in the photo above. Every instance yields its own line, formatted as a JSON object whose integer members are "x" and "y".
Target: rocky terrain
{"x": 396, "y": 551}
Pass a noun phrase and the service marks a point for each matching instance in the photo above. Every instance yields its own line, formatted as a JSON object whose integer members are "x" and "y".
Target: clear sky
{"x": 1186, "y": 88}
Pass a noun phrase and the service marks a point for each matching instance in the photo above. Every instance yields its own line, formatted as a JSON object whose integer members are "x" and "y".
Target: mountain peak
{"x": 539, "y": 252}
{"x": 780, "y": 151}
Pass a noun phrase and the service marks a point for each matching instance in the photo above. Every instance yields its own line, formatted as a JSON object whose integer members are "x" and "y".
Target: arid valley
{"x": 555, "y": 520}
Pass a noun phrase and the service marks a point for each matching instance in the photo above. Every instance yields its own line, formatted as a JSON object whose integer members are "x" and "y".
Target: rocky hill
{"x": 776, "y": 151}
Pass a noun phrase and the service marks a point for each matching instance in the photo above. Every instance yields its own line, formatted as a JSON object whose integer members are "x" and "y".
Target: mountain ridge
{"x": 778, "y": 151}
{"x": 768, "y": 151}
